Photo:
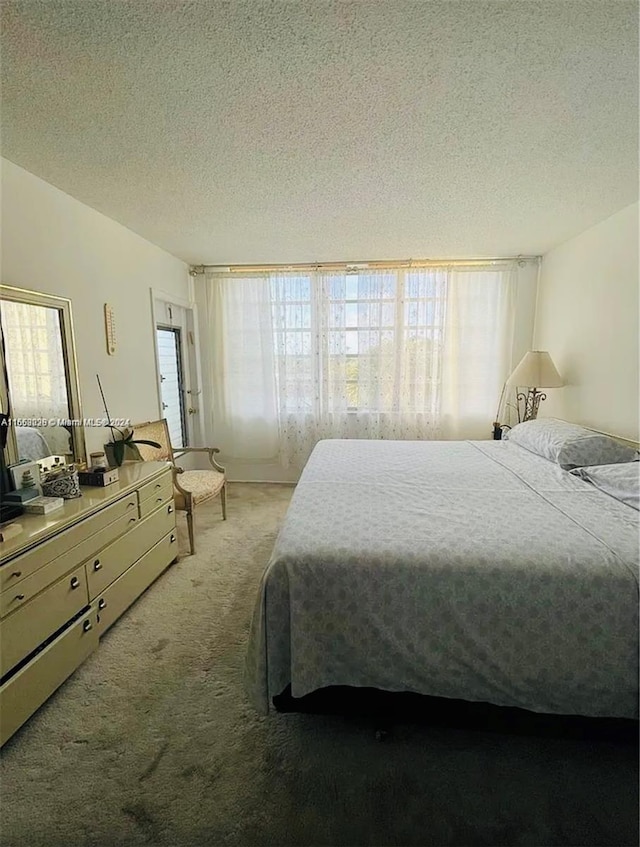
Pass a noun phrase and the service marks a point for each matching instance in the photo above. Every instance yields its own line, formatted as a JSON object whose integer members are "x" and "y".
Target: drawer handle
{"x": 158, "y": 485}
{"x": 17, "y": 573}
{"x": 129, "y": 505}
{"x": 170, "y": 510}
{"x": 102, "y": 604}
{"x": 97, "y": 565}
{"x": 75, "y": 582}
{"x": 172, "y": 538}
{"x": 19, "y": 597}
{"x": 132, "y": 520}
{"x": 158, "y": 499}
{"x": 86, "y": 626}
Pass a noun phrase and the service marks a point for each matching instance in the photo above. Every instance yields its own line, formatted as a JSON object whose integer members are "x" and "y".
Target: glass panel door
{"x": 172, "y": 384}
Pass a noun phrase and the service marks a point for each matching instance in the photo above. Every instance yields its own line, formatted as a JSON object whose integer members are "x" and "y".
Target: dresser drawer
{"x": 117, "y": 557}
{"x": 160, "y": 486}
{"x": 23, "y": 630}
{"x": 91, "y": 546}
{"x": 35, "y": 682}
{"x": 162, "y": 492}
{"x": 65, "y": 542}
{"x": 121, "y": 594}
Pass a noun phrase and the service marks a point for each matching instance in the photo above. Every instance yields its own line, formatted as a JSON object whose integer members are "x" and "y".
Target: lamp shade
{"x": 536, "y": 370}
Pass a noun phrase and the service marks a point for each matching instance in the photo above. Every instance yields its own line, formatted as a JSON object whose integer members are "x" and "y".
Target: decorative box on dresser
{"x": 67, "y": 576}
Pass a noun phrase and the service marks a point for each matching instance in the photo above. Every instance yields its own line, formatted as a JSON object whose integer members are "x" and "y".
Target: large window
{"x": 359, "y": 342}
{"x": 396, "y": 352}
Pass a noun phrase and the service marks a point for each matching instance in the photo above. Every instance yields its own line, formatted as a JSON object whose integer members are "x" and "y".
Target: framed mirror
{"x": 39, "y": 377}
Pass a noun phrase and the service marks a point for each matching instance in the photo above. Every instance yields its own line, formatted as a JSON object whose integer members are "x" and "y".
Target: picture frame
{"x": 18, "y": 470}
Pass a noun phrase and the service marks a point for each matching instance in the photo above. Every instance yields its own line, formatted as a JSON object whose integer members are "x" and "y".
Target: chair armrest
{"x": 210, "y": 450}
{"x": 176, "y": 471}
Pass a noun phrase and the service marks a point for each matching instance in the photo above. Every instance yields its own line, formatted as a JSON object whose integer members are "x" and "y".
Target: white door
{"x": 172, "y": 383}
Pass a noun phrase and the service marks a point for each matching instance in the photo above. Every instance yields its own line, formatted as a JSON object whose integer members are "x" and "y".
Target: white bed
{"x": 472, "y": 570}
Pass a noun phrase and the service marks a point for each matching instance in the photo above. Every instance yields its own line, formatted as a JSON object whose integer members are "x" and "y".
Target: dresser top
{"x": 28, "y": 530}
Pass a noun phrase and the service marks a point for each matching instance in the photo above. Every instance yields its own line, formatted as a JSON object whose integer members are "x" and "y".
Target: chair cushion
{"x": 153, "y": 431}
{"x": 201, "y": 484}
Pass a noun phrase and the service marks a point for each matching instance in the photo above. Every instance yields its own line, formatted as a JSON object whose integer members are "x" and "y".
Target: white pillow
{"x": 569, "y": 445}
{"x": 621, "y": 481}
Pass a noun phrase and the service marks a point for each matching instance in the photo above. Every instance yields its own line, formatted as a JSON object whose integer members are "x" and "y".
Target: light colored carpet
{"x": 152, "y": 741}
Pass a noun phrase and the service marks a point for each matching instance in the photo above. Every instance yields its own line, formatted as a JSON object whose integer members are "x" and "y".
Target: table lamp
{"x": 536, "y": 370}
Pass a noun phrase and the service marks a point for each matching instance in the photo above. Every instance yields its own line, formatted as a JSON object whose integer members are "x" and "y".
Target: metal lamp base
{"x": 530, "y": 402}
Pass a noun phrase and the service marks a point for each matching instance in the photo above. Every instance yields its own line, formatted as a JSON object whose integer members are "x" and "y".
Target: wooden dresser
{"x": 67, "y": 576}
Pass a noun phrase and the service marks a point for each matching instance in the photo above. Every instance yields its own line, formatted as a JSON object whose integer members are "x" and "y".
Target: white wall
{"x": 55, "y": 244}
{"x": 587, "y": 318}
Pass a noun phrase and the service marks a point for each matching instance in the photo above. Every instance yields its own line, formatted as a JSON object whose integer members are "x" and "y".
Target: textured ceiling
{"x": 317, "y": 130}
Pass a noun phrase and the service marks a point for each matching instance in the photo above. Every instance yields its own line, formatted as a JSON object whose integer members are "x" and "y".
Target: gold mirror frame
{"x": 63, "y": 306}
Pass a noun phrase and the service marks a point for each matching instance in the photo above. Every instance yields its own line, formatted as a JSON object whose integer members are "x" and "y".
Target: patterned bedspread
{"x": 473, "y": 570}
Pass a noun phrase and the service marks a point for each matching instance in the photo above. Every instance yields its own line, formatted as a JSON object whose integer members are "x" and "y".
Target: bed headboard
{"x": 628, "y": 441}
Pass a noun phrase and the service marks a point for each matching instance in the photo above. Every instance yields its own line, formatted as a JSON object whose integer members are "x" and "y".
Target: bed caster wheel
{"x": 382, "y": 734}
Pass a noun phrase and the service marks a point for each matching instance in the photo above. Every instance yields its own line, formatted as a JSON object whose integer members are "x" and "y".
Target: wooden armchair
{"x": 189, "y": 487}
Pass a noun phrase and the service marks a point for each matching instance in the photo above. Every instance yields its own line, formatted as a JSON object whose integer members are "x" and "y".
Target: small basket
{"x": 64, "y": 484}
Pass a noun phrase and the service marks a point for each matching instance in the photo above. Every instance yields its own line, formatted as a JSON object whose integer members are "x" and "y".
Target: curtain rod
{"x": 196, "y": 270}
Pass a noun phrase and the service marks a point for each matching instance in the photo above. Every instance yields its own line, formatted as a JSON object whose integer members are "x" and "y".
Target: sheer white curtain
{"x": 410, "y": 353}
{"x": 478, "y": 348}
{"x": 35, "y": 362}
{"x": 239, "y": 368}
{"x": 376, "y": 358}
